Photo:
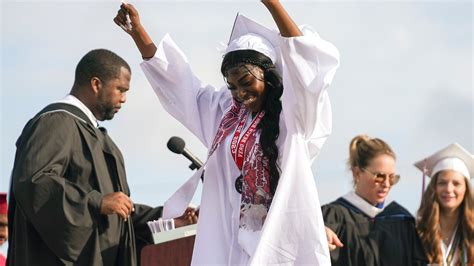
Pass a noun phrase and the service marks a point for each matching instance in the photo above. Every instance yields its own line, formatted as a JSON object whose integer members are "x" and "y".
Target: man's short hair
{"x": 100, "y": 63}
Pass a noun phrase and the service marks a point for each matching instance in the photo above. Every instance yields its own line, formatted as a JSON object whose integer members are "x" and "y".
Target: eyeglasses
{"x": 381, "y": 177}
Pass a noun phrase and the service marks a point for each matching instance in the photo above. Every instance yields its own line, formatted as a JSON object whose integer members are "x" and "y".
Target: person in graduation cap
{"x": 445, "y": 218}
{"x": 373, "y": 232}
{"x": 263, "y": 130}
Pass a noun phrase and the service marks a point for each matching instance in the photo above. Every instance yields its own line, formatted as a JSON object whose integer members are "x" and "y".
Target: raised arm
{"x": 285, "y": 24}
{"x": 134, "y": 28}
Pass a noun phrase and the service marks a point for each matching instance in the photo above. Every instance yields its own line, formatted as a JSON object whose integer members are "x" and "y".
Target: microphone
{"x": 176, "y": 145}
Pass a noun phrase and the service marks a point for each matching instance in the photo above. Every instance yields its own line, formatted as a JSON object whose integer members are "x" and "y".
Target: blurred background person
{"x": 373, "y": 232}
{"x": 445, "y": 220}
{"x": 3, "y": 225}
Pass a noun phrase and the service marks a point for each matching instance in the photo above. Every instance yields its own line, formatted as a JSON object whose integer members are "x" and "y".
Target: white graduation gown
{"x": 446, "y": 249}
{"x": 293, "y": 232}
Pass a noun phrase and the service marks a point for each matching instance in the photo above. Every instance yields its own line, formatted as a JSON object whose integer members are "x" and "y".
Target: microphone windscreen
{"x": 176, "y": 145}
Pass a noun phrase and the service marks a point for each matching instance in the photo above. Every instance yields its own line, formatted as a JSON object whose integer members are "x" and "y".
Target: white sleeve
{"x": 197, "y": 106}
{"x": 309, "y": 65}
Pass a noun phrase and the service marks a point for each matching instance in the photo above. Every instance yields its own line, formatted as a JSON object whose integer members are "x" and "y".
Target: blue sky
{"x": 405, "y": 77}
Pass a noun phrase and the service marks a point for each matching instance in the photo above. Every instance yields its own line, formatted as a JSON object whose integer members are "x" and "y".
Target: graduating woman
{"x": 263, "y": 130}
{"x": 446, "y": 215}
{"x": 373, "y": 232}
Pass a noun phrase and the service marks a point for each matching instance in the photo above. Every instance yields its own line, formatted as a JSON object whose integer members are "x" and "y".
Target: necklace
{"x": 447, "y": 238}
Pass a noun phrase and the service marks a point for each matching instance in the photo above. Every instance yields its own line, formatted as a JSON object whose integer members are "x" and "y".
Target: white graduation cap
{"x": 250, "y": 35}
{"x": 453, "y": 157}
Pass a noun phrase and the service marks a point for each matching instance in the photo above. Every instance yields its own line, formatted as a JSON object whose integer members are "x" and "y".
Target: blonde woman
{"x": 373, "y": 232}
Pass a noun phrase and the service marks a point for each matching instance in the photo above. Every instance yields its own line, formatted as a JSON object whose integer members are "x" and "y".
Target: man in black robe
{"x": 70, "y": 202}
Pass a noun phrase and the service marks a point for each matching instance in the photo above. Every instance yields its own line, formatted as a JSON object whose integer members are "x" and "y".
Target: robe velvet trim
{"x": 389, "y": 238}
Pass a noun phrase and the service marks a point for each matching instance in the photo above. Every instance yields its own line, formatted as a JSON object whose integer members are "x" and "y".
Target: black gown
{"x": 63, "y": 167}
{"x": 390, "y": 238}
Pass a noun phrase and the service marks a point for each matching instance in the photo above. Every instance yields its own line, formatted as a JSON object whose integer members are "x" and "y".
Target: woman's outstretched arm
{"x": 285, "y": 24}
{"x": 135, "y": 29}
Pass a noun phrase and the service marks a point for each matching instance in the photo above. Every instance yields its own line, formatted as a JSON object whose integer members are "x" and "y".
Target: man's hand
{"x": 190, "y": 216}
{"x": 117, "y": 203}
{"x": 333, "y": 240}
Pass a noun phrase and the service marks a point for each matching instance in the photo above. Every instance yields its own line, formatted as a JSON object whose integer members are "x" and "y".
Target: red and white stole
{"x": 250, "y": 160}
{"x": 236, "y": 117}
{"x": 238, "y": 147}
{"x": 227, "y": 125}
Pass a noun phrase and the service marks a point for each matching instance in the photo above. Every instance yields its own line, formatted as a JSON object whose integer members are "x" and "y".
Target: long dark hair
{"x": 269, "y": 125}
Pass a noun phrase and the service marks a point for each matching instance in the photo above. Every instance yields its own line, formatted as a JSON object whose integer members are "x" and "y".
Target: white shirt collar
{"x": 72, "y": 100}
{"x": 362, "y": 204}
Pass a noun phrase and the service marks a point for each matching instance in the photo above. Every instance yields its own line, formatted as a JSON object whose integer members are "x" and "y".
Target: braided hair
{"x": 269, "y": 125}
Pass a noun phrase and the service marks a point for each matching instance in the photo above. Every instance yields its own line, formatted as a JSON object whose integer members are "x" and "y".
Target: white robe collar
{"x": 362, "y": 204}
{"x": 72, "y": 100}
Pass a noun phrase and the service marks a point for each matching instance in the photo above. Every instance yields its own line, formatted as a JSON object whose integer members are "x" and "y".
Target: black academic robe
{"x": 390, "y": 238}
{"x": 63, "y": 167}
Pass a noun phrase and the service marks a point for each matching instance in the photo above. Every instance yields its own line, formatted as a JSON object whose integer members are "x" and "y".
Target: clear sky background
{"x": 405, "y": 76}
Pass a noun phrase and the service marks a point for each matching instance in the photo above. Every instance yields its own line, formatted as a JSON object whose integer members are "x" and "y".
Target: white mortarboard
{"x": 250, "y": 35}
{"x": 453, "y": 157}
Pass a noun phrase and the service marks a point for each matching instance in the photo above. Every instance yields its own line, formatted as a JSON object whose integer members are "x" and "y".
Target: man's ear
{"x": 96, "y": 84}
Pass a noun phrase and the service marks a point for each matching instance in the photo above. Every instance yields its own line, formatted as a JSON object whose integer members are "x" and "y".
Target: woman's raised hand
{"x": 268, "y": 1}
{"x": 285, "y": 24}
{"x": 127, "y": 18}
